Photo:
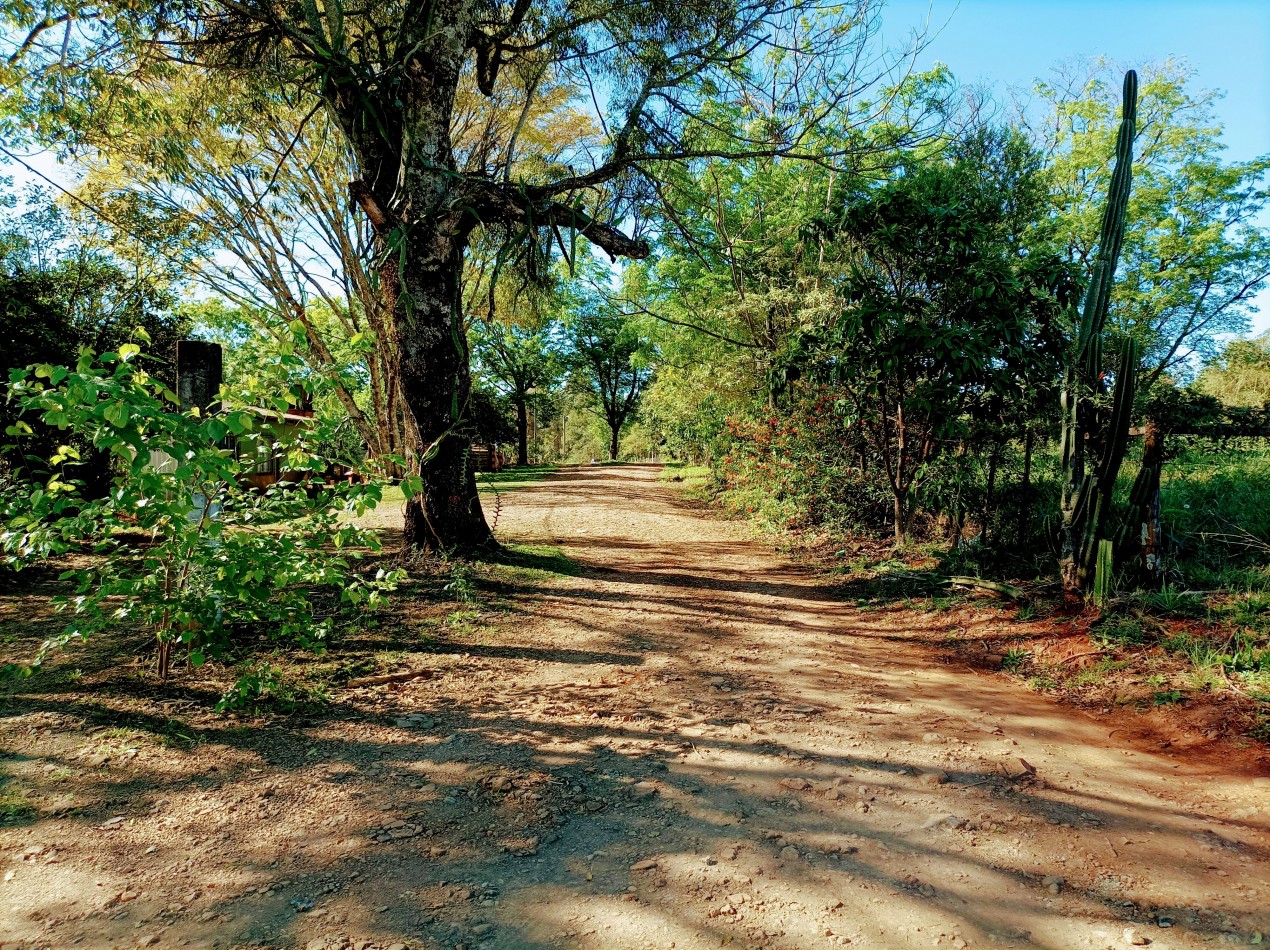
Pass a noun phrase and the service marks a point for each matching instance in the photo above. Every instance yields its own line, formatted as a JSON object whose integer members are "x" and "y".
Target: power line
{"x": 98, "y": 212}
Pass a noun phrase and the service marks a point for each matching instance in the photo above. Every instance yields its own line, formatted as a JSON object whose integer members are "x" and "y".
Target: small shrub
{"x": 185, "y": 547}
{"x": 259, "y": 683}
{"x": 1015, "y": 659}
{"x": 1170, "y": 600}
{"x": 461, "y": 585}
{"x": 1261, "y": 728}
{"x": 252, "y": 685}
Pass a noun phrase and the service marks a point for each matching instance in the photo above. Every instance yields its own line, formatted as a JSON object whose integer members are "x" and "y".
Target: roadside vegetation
{"x": 933, "y": 345}
{"x": 322, "y": 325}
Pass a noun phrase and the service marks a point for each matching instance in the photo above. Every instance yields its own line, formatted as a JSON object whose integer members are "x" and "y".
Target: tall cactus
{"x": 1094, "y": 434}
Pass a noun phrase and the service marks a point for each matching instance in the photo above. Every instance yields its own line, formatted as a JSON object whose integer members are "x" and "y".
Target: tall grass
{"x": 1215, "y": 506}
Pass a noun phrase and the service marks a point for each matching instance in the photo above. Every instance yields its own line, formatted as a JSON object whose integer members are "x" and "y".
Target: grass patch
{"x": 1242, "y": 658}
{"x": 536, "y": 561}
{"x": 14, "y": 803}
{"x": 696, "y": 481}
{"x": 690, "y": 476}
{"x": 1100, "y": 672}
{"x": 1119, "y": 631}
{"x": 509, "y": 479}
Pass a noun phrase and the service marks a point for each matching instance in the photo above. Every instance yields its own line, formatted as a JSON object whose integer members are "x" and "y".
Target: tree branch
{"x": 503, "y": 203}
{"x": 381, "y": 219}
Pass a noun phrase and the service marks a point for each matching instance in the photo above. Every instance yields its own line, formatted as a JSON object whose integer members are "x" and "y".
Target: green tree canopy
{"x": 693, "y": 81}
{"x": 1197, "y": 246}
{"x": 610, "y": 362}
{"x": 1240, "y": 374}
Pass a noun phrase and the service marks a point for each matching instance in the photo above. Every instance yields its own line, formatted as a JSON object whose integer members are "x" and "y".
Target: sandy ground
{"x": 692, "y": 744}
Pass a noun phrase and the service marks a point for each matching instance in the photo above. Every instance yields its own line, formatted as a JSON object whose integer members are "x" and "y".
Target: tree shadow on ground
{"x": 724, "y": 810}
{"x": 601, "y": 800}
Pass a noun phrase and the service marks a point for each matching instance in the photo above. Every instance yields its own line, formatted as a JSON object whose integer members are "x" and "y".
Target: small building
{"x": 265, "y": 457}
{"x": 488, "y": 458}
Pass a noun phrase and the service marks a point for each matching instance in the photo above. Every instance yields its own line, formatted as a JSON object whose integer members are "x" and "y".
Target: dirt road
{"x": 691, "y": 744}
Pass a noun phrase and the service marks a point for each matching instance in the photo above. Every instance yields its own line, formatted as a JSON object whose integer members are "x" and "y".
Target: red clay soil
{"x": 695, "y": 743}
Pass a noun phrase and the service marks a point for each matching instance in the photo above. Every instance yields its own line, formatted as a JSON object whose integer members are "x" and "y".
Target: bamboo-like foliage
{"x": 1095, "y": 433}
{"x": 1103, "y": 571}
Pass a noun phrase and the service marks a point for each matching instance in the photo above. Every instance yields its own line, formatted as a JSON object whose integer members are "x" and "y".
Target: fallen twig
{"x": 996, "y": 587}
{"x": 980, "y": 782}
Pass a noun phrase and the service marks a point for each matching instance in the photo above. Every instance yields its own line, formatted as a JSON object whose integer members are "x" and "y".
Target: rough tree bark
{"x": 1145, "y": 500}
{"x": 522, "y": 432}
{"x": 411, "y": 194}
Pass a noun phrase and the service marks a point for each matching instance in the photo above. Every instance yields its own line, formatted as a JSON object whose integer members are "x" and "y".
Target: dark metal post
{"x": 199, "y": 373}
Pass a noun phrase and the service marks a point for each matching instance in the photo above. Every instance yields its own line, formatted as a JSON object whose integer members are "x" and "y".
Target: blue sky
{"x": 1010, "y": 43}
{"x": 1013, "y": 42}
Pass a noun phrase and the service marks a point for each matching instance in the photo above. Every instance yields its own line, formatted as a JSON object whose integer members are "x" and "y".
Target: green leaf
{"x": 216, "y": 429}
{"x": 411, "y": 485}
{"x": 117, "y": 415}
{"x": 128, "y": 350}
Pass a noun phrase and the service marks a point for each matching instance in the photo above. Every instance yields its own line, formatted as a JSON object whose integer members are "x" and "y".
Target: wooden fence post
{"x": 1149, "y": 503}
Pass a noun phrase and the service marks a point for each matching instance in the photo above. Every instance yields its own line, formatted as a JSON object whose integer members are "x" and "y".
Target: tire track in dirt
{"x": 834, "y": 784}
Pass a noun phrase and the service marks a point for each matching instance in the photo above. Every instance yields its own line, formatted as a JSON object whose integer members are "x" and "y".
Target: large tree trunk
{"x": 423, "y": 209}
{"x": 522, "y": 432}
{"x": 434, "y": 378}
{"x": 613, "y": 442}
{"x": 409, "y": 193}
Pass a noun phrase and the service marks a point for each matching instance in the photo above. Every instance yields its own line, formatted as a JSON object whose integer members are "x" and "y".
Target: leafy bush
{"x": 183, "y": 546}
{"x": 800, "y": 468}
